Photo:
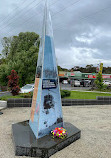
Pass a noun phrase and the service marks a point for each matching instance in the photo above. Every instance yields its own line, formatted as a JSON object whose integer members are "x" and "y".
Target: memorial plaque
{"x": 48, "y": 84}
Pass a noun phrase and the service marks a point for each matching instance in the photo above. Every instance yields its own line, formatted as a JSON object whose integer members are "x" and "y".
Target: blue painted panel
{"x": 49, "y": 63}
{"x": 48, "y": 110}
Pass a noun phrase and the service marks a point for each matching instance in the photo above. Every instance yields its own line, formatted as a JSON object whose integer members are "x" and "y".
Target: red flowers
{"x": 59, "y": 133}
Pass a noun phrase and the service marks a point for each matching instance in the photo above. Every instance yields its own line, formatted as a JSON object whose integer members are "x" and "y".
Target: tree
{"x": 13, "y": 80}
{"x": 3, "y": 74}
{"x": 107, "y": 70}
{"x": 62, "y": 69}
{"x": 90, "y": 68}
{"x": 99, "y": 81}
{"x": 2, "y": 61}
{"x": 25, "y": 65}
{"x": 6, "y": 42}
{"x": 21, "y": 53}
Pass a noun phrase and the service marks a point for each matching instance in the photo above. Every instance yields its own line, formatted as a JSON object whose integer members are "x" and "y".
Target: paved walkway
{"x": 94, "y": 122}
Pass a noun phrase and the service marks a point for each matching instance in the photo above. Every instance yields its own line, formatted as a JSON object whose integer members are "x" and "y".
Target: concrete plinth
{"x": 3, "y": 104}
{"x": 26, "y": 144}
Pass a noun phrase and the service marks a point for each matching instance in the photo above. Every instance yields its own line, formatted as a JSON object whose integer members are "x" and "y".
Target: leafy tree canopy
{"x": 99, "y": 81}
{"x": 20, "y": 53}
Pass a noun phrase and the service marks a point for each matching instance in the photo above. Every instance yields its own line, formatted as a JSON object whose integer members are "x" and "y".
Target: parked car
{"x": 64, "y": 82}
{"x": 85, "y": 83}
{"x": 75, "y": 83}
{"x": 27, "y": 88}
{"x": 107, "y": 83}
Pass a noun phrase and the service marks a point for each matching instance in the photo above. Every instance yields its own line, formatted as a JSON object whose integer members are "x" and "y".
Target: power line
{"x": 5, "y": 19}
{"x": 66, "y": 8}
{"x": 24, "y": 14}
{"x": 37, "y": 4}
{"x": 10, "y": 13}
{"x": 20, "y": 13}
{"x": 24, "y": 21}
{"x": 88, "y": 16}
{"x": 53, "y": 3}
{"x": 30, "y": 17}
{"x": 83, "y": 18}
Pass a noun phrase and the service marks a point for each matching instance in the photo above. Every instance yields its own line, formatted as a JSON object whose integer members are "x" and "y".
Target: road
{"x": 68, "y": 87}
{"x": 62, "y": 86}
{"x": 4, "y": 93}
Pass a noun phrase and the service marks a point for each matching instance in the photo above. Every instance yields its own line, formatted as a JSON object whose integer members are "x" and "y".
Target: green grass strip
{"x": 86, "y": 95}
{"x": 74, "y": 95}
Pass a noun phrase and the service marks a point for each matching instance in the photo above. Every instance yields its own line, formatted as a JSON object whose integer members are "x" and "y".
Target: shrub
{"x": 65, "y": 93}
{"x": 26, "y": 95}
{"x": 13, "y": 80}
{"x": 62, "y": 94}
{"x": 99, "y": 81}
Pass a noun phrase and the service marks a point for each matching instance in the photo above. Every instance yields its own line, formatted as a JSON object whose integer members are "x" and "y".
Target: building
{"x": 77, "y": 75}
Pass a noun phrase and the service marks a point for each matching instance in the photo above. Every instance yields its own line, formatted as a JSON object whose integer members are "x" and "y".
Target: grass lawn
{"x": 85, "y": 95}
{"x": 21, "y": 95}
{"x": 6, "y": 97}
{"x": 74, "y": 95}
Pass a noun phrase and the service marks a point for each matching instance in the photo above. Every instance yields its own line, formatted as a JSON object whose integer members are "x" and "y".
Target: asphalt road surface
{"x": 68, "y": 87}
{"x": 62, "y": 86}
{"x": 4, "y": 93}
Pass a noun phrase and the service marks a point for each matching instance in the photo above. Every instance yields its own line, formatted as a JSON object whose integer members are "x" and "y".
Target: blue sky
{"x": 82, "y": 31}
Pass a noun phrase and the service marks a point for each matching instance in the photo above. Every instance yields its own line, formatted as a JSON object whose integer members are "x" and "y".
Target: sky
{"x": 82, "y": 28}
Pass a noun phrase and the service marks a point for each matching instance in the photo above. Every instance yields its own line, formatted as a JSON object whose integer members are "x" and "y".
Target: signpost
{"x": 101, "y": 68}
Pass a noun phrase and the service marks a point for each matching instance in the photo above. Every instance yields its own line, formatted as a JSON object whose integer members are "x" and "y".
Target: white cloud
{"x": 78, "y": 57}
{"x": 82, "y": 33}
{"x": 84, "y": 39}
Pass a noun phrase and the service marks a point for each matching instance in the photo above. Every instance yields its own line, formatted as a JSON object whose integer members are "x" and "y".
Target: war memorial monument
{"x": 32, "y": 137}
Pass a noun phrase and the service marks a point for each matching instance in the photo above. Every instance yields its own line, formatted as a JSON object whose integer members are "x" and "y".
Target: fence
{"x": 26, "y": 102}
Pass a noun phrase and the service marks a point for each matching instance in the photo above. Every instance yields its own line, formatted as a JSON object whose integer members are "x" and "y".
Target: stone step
{"x": 1, "y": 108}
{"x": 3, "y": 104}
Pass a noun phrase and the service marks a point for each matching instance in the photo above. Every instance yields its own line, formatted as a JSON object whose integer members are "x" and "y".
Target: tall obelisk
{"x": 46, "y": 109}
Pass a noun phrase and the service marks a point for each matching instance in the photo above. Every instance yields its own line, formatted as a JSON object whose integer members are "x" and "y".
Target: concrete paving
{"x": 1, "y": 108}
{"x": 94, "y": 122}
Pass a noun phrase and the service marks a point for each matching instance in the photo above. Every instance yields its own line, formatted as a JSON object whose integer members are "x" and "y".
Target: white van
{"x": 64, "y": 82}
{"x": 76, "y": 83}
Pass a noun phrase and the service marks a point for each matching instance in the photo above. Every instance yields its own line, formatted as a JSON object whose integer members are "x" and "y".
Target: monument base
{"x": 26, "y": 144}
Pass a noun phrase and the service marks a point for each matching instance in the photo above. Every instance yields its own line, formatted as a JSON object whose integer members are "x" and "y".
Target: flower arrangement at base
{"x": 59, "y": 133}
